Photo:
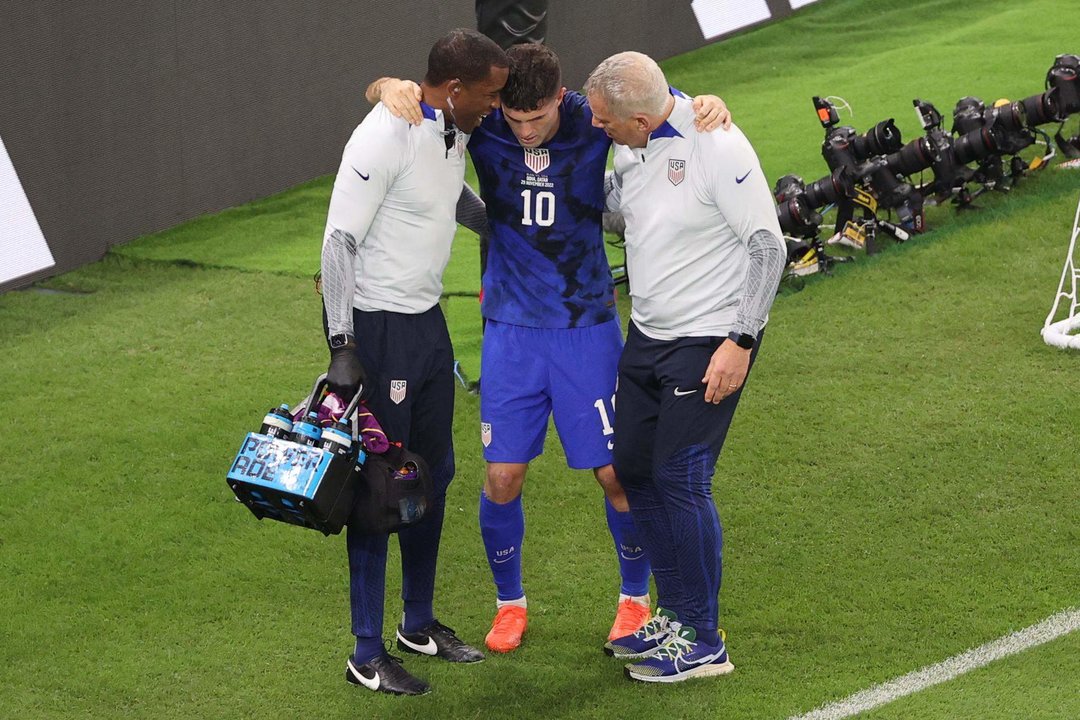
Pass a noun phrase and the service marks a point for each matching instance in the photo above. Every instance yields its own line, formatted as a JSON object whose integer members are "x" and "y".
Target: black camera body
{"x": 843, "y": 147}
{"x": 1064, "y": 77}
{"x": 798, "y": 218}
{"x": 937, "y": 151}
{"x": 863, "y": 158}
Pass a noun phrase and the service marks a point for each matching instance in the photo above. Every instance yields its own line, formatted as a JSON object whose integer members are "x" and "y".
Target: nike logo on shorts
{"x": 680, "y": 393}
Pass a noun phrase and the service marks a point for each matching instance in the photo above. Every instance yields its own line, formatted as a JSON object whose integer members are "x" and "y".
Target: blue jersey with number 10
{"x": 546, "y": 264}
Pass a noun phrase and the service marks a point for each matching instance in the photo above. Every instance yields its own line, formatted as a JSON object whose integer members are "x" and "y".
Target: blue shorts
{"x": 528, "y": 374}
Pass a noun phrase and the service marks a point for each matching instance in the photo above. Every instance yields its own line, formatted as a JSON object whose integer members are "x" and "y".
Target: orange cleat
{"x": 507, "y": 628}
{"x": 629, "y": 618}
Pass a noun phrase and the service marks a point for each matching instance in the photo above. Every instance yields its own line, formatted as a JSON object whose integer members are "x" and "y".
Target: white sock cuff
{"x": 520, "y": 602}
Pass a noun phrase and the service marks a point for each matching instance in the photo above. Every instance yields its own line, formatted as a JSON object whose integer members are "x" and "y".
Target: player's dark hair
{"x": 535, "y": 76}
{"x": 465, "y": 55}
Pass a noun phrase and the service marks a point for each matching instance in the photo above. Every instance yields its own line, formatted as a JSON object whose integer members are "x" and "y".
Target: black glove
{"x": 345, "y": 374}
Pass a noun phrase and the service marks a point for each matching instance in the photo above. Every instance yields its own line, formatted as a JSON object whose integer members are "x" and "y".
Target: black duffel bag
{"x": 395, "y": 490}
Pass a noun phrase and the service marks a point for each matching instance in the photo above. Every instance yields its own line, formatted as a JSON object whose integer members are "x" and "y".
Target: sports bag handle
{"x": 311, "y": 402}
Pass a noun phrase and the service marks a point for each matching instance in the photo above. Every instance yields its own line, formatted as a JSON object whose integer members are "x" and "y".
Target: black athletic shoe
{"x": 438, "y": 640}
{"x": 385, "y": 674}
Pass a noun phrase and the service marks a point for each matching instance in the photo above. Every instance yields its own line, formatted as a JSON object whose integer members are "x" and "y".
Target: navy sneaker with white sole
{"x": 437, "y": 640}
{"x": 682, "y": 657}
{"x": 646, "y": 640}
{"x": 385, "y": 674}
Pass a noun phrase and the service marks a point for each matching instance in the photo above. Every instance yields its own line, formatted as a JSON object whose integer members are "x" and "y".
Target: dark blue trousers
{"x": 410, "y": 367}
{"x": 667, "y": 441}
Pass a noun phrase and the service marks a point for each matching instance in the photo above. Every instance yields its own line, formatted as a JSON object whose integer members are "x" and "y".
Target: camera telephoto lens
{"x": 1008, "y": 134}
{"x": 975, "y": 145}
{"x": 797, "y": 218}
{"x": 1041, "y": 109}
{"x": 914, "y": 157}
{"x": 1007, "y": 116}
{"x": 882, "y": 139}
{"x": 829, "y": 189}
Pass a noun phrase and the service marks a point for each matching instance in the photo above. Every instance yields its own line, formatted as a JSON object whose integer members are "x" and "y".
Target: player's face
{"x": 533, "y": 128}
{"x": 632, "y": 131}
{"x": 472, "y": 102}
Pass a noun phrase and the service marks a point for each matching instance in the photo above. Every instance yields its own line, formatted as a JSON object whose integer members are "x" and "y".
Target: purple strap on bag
{"x": 331, "y": 408}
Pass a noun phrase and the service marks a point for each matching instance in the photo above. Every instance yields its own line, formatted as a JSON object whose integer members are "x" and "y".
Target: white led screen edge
{"x": 721, "y": 17}
{"x": 23, "y": 249}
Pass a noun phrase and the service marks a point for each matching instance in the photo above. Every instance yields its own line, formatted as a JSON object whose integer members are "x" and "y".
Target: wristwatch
{"x": 746, "y": 342}
{"x": 338, "y": 340}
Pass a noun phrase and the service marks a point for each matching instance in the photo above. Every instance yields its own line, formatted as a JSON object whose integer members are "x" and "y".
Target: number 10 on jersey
{"x": 538, "y": 208}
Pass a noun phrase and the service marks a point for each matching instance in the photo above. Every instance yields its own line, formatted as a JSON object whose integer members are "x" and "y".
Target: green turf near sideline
{"x": 898, "y": 486}
{"x": 1038, "y": 685}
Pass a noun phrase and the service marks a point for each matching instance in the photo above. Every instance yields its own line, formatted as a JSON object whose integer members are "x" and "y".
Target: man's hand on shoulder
{"x": 711, "y": 113}
{"x": 401, "y": 97}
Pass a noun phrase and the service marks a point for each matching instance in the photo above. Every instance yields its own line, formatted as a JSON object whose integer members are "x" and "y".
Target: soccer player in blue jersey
{"x": 704, "y": 253}
{"x": 553, "y": 338}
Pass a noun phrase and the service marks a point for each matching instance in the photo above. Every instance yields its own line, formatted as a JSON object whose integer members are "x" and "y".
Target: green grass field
{"x": 900, "y": 484}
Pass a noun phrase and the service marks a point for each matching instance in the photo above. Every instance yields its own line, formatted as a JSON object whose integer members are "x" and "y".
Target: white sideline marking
{"x": 1058, "y": 624}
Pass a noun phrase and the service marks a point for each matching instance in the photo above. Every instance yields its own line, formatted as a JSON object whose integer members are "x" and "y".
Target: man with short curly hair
{"x": 387, "y": 241}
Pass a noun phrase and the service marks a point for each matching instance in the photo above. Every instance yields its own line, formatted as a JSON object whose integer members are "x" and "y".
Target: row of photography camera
{"x": 879, "y": 177}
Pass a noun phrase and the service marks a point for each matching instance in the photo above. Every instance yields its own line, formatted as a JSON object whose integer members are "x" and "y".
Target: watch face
{"x": 339, "y": 340}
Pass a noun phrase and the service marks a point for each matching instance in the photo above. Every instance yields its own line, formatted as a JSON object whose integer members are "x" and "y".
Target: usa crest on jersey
{"x": 676, "y": 171}
{"x": 397, "y": 390}
{"x": 485, "y": 433}
{"x": 537, "y": 159}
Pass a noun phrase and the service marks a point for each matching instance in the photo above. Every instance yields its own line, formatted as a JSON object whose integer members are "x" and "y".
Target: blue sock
{"x": 418, "y": 615}
{"x": 503, "y": 530}
{"x": 633, "y": 564}
{"x": 367, "y": 649}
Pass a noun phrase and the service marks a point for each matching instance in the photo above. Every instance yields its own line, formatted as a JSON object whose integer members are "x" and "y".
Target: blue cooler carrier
{"x": 301, "y": 474}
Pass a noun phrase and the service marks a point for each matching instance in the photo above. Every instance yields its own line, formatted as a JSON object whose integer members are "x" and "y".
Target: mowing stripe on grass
{"x": 1055, "y": 626}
